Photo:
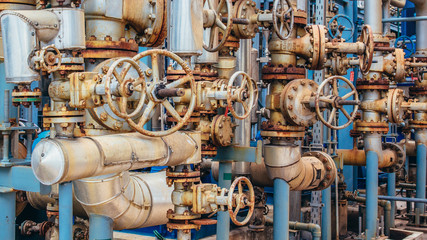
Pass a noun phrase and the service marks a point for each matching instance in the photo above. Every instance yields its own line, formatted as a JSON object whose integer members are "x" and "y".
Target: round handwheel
{"x": 125, "y": 87}
{"x": 406, "y": 43}
{"x": 216, "y": 23}
{"x": 365, "y": 60}
{"x": 336, "y": 102}
{"x": 281, "y": 15}
{"x": 240, "y": 200}
{"x": 50, "y": 58}
{"x": 244, "y": 94}
{"x": 159, "y": 92}
{"x": 337, "y": 27}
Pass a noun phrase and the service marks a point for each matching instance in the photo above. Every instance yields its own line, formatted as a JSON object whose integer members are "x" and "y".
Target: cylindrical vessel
{"x": 60, "y": 160}
{"x": 186, "y": 27}
{"x": 131, "y": 200}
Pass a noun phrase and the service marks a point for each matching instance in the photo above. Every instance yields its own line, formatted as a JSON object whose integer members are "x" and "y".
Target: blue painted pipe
{"x": 66, "y": 211}
{"x": 403, "y": 199}
{"x": 281, "y": 210}
{"x": 391, "y": 191}
{"x": 421, "y": 176}
{"x": 100, "y": 227}
{"x": 224, "y": 181}
{"x": 371, "y": 194}
{"x": 326, "y": 214}
{"x": 7, "y": 215}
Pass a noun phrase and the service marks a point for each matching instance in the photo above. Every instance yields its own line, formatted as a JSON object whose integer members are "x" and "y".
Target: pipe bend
{"x": 398, "y": 3}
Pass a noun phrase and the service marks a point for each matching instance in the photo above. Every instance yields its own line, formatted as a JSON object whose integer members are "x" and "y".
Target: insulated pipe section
{"x": 131, "y": 200}
{"x": 373, "y": 15}
{"x": 312, "y": 171}
{"x": 421, "y": 26}
{"x": 60, "y": 160}
{"x": 393, "y": 157}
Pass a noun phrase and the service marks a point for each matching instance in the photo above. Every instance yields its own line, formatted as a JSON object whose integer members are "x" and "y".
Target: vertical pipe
{"x": 5, "y": 147}
{"x": 66, "y": 211}
{"x": 6, "y": 106}
{"x": 29, "y": 145}
{"x": 421, "y": 176}
{"x": 100, "y": 227}
{"x": 373, "y": 15}
{"x": 391, "y": 191}
{"x": 7, "y": 215}
{"x": 224, "y": 181}
{"x": 281, "y": 210}
{"x": 371, "y": 194}
{"x": 388, "y": 217}
{"x": 326, "y": 214}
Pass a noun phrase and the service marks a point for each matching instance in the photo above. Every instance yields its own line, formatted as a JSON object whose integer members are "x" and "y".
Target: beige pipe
{"x": 131, "y": 200}
{"x": 61, "y": 160}
{"x": 398, "y": 3}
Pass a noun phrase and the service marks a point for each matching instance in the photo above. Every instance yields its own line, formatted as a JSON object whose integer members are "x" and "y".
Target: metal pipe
{"x": 7, "y": 214}
{"x": 405, "y": 19}
{"x": 60, "y": 160}
{"x": 66, "y": 211}
{"x": 373, "y": 15}
{"x": 311, "y": 227}
{"x": 421, "y": 176}
{"x": 398, "y": 3}
{"x": 6, "y": 144}
{"x": 224, "y": 181}
{"x": 100, "y": 227}
{"x": 403, "y": 199}
{"x": 371, "y": 193}
{"x": 120, "y": 197}
{"x": 326, "y": 213}
{"x": 421, "y": 11}
{"x": 391, "y": 191}
{"x": 281, "y": 210}
{"x": 6, "y": 106}
{"x": 386, "y": 14}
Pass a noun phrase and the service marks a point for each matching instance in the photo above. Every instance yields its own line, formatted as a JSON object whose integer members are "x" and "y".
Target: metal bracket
{"x": 240, "y": 154}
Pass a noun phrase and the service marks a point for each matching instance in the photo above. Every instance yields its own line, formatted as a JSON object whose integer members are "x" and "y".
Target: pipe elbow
{"x": 398, "y": 3}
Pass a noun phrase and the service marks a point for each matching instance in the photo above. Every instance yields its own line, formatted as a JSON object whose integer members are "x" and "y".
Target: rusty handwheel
{"x": 124, "y": 87}
{"x": 245, "y": 94}
{"x": 214, "y": 21}
{"x": 336, "y": 102}
{"x": 366, "y": 58}
{"x": 281, "y": 15}
{"x": 241, "y": 200}
{"x": 159, "y": 92}
{"x": 50, "y": 58}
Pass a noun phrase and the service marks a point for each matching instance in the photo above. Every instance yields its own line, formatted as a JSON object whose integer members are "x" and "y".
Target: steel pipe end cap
{"x": 47, "y": 162}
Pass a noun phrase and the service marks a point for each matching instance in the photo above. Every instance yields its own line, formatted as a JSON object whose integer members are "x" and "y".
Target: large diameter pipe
{"x": 131, "y": 200}
{"x": 66, "y": 211}
{"x": 373, "y": 15}
{"x": 398, "y": 3}
{"x": 60, "y": 160}
{"x": 421, "y": 139}
{"x": 421, "y": 10}
{"x": 281, "y": 210}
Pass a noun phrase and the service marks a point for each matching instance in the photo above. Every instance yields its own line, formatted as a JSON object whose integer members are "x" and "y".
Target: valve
{"x": 240, "y": 200}
{"x": 402, "y": 42}
{"x": 48, "y": 59}
{"x": 125, "y": 87}
{"x": 336, "y": 102}
{"x": 337, "y": 27}
{"x": 213, "y": 19}
{"x": 246, "y": 94}
{"x": 281, "y": 15}
{"x": 366, "y": 58}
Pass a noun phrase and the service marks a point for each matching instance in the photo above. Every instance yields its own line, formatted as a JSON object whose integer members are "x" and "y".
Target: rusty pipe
{"x": 131, "y": 200}
{"x": 61, "y": 160}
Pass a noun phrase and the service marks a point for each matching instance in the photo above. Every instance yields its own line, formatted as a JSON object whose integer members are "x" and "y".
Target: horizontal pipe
{"x": 311, "y": 227}
{"x": 398, "y": 3}
{"x": 403, "y": 199}
{"x": 131, "y": 200}
{"x": 405, "y": 19}
{"x": 60, "y": 160}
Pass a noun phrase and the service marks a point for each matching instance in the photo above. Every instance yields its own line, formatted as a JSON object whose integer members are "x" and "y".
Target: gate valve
{"x": 246, "y": 94}
{"x": 48, "y": 59}
{"x": 241, "y": 200}
{"x": 335, "y": 101}
{"x": 213, "y": 20}
{"x": 283, "y": 12}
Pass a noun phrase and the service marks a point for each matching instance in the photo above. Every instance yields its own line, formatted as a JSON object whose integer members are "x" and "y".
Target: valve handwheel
{"x": 241, "y": 200}
{"x": 365, "y": 60}
{"x": 281, "y": 15}
{"x": 340, "y": 21}
{"x": 245, "y": 94}
{"x": 336, "y": 102}
{"x": 406, "y": 43}
{"x": 50, "y": 60}
{"x": 125, "y": 88}
{"x": 217, "y": 23}
{"x": 154, "y": 98}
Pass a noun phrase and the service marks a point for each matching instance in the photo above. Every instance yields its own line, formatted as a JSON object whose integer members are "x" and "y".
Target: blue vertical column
{"x": 100, "y": 227}
{"x": 281, "y": 210}
{"x": 391, "y": 191}
{"x": 66, "y": 211}
{"x": 326, "y": 214}
{"x": 371, "y": 194}
{"x": 421, "y": 177}
{"x": 224, "y": 181}
{"x": 7, "y": 215}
